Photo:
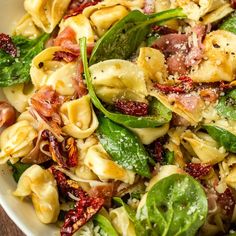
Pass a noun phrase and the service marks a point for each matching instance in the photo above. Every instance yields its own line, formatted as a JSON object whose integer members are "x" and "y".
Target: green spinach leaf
{"x": 160, "y": 114}
{"x": 227, "y": 105}
{"x": 105, "y": 225}
{"x": 222, "y": 136}
{"x": 229, "y": 24}
{"x": 18, "y": 169}
{"x": 17, "y": 70}
{"x": 169, "y": 157}
{"x": 176, "y": 205}
{"x": 123, "y": 146}
{"x": 123, "y": 39}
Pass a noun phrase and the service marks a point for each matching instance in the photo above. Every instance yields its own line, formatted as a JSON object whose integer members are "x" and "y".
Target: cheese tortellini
{"x": 41, "y": 186}
{"x": 152, "y": 61}
{"x": 121, "y": 222}
{"x": 148, "y": 135}
{"x": 100, "y": 163}
{"x": 18, "y": 95}
{"x": 46, "y": 13}
{"x": 79, "y": 119}
{"x": 119, "y": 79}
{"x": 16, "y": 141}
{"x": 105, "y": 14}
{"x": 46, "y": 71}
{"x": 219, "y": 58}
{"x": 204, "y": 147}
{"x": 27, "y": 28}
{"x": 195, "y": 9}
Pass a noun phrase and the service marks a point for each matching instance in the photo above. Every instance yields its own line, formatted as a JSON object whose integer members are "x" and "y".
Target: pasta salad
{"x": 120, "y": 116}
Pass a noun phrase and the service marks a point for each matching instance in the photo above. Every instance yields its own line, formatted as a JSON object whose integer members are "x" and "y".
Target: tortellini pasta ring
{"x": 59, "y": 75}
{"x": 41, "y": 185}
{"x": 16, "y": 141}
{"x": 79, "y": 118}
{"x": 119, "y": 79}
{"x": 46, "y": 13}
{"x": 219, "y": 58}
{"x": 100, "y": 163}
{"x": 206, "y": 148}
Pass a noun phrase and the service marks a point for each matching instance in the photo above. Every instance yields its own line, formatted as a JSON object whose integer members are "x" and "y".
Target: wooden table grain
{"x": 7, "y": 226}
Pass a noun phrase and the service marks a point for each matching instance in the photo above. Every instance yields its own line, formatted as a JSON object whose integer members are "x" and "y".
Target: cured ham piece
{"x": 67, "y": 40}
{"x": 7, "y": 114}
{"x": 182, "y": 50}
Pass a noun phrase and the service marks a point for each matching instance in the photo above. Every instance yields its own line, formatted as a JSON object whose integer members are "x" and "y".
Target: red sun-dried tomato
{"x": 65, "y": 155}
{"x": 64, "y": 56}
{"x": 158, "y": 151}
{"x": 54, "y": 148}
{"x": 169, "y": 88}
{"x": 227, "y": 202}
{"x": 132, "y": 108}
{"x": 84, "y": 208}
{"x": 77, "y": 6}
{"x": 7, "y": 45}
{"x": 198, "y": 170}
{"x": 73, "y": 153}
{"x": 185, "y": 86}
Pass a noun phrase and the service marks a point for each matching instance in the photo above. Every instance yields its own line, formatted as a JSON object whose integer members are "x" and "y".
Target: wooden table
{"x": 7, "y": 226}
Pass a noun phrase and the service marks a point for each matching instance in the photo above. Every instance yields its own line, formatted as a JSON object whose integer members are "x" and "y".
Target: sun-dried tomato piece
{"x": 84, "y": 208}
{"x": 7, "y": 45}
{"x": 78, "y": 81}
{"x": 169, "y": 88}
{"x": 73, "y": 153}
{"x": 7, "y": 114}
{"x": 64, "y": 56}
{"x": 82, "y": 213}
{"x": 77, "y": 6}
{"x": 198, "y": 170}
{"x": 233, "y": 3}
{"x": 185, "y": 86}
{"x": 54, "y": 148}
{"x": 227, "y": 202}
{"x": 132, "y": 108}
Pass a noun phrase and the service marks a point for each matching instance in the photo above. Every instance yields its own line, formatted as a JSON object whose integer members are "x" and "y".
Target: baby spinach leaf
{"x": 227, "y": 105}
{"x": 139, "y": 228}
{"x": 223, "y": 137}
{"x": 18, "y": 169}
{"x": 123, "y": 39}
{"x": 229, "y": 24}
{"x": 16, "y": 70}
{"x": 105, "y": 225}
{"x": 123, "y": 146}
{"x": 169, "y": 157}
{"x": 159, "y": 113}
{"x": 176, "y": 205}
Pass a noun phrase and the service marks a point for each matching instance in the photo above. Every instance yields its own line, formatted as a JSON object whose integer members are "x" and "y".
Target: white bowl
{"x": 21, "y": 212}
